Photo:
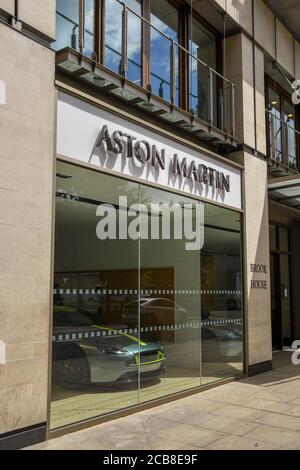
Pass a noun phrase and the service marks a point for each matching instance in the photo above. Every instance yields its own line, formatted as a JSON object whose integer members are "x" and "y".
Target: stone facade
{"x": 27, "y": 137}
{"x": 26, "y": 199}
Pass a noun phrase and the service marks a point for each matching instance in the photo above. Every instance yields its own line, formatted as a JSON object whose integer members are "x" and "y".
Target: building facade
{"x": 149, "y": 203}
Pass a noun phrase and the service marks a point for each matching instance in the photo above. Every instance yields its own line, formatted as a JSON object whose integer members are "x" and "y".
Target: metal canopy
{"x": 286, "y": 191}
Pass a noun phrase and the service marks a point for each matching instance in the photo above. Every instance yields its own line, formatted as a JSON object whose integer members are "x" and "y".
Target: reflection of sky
{"x": 164, "y": 17}
{"x": 89, "y": 27}
{"x": 113, "y": 38}
{"x": 160, "y": 58}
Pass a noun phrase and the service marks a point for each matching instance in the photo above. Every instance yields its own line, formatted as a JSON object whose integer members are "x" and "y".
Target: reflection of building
{"x": 225, "y": 116}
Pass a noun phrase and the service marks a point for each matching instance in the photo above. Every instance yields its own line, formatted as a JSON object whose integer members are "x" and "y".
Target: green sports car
{"x": 84, "y": 352}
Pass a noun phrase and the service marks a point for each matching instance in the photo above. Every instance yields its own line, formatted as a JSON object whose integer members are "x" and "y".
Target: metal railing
{"x": 211, "y": 96}
{"x": 283, "y": 141}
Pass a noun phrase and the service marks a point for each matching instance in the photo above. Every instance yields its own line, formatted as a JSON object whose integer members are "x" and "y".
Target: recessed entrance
{"x": 281, "y": 287}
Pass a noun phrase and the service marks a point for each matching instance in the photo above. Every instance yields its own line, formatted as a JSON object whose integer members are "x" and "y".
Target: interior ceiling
{"x": 100, "y": 187}
{"x": 288, "y": 11}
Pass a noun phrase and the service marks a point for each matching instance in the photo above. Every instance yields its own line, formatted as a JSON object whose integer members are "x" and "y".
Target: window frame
{"x": 184, "y": 11}
{"x": 284, "y": 96}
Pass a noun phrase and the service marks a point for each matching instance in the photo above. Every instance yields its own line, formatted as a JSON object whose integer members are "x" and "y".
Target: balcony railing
{"x": 283, "y": 141}
{"x": 184, "y": 81}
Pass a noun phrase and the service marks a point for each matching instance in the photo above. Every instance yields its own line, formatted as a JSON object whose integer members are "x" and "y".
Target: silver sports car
{"x": 84, "y": 352}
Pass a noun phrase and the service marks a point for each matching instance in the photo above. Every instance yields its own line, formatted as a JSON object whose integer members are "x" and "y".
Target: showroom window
{"x": 139, "y": 319}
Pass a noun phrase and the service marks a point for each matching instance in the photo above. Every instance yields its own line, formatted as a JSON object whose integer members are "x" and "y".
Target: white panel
{"x": 79, "y": 124}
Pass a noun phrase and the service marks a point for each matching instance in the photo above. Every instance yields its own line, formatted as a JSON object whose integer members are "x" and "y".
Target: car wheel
{"x": 72, "y": 366}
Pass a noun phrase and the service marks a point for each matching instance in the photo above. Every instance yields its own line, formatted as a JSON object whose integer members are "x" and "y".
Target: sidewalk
{"x": 262, "y": 412}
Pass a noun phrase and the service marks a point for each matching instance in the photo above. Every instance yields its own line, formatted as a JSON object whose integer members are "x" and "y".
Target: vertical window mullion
{"x": 81, "y": 25}
{"x": 184, "y": 58}
{"x": 99, "y": 42}
{"x": 146, "y": 44}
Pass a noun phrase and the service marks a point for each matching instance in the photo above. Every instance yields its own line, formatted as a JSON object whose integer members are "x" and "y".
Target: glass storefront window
{"x": 222, "y": 298}
{"x": 139, "y": 319}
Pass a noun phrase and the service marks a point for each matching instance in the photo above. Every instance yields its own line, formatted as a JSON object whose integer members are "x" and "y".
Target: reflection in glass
{"x": 165, "y": 17}
{"x": 67, "y": 24}
{"x": 93, "y": 354}
{"x": 89, "y": 28}
{"x": 170, "y": 278}
{"x": 202, "y": 46}
{"x": 135, "y": 320}
{"x": 222, "y": 300}
{"x": 113, "y": 39}
{"x": 275, "y": 126}
{"x": 290, "y": 120}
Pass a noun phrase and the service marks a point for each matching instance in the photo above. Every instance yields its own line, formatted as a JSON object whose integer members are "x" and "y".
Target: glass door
{"x": 281, "y": 288}
{"x": 275, "y": 303}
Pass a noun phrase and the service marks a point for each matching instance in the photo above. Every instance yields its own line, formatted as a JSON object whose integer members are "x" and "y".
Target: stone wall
{"x": 26, "y": 184}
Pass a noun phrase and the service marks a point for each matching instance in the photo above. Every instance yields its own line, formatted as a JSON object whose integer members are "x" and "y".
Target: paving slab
{"x": 257, "y": 413}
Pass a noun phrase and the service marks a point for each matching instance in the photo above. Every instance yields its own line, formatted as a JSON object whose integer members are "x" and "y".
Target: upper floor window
{"x": 69, "y": 32}
{"x": 283, "y": 137}
{"x": 89, "y": 28}
{"x": 114, "y": 40}
{"x": 165, "y": 30}
{"x": 160, "y": 45}
{"x": 203, "y": 47}
{"x": 67, "y": 24}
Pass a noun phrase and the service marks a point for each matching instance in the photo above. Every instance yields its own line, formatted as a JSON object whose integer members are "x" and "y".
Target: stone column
{"x": 27, "y": 112}
{"x": 245, "y": 67}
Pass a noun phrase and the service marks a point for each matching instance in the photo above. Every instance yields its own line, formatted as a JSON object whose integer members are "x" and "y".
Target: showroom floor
{"x": 262, "y": 412}
{"x": 76, "y": 404}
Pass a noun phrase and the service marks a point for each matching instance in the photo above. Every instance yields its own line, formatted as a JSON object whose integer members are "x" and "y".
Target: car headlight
{"x": 109, "y": 349}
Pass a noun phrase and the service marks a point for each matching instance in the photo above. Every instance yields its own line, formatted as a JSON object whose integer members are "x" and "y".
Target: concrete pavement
{"x": 256, "y": 413}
